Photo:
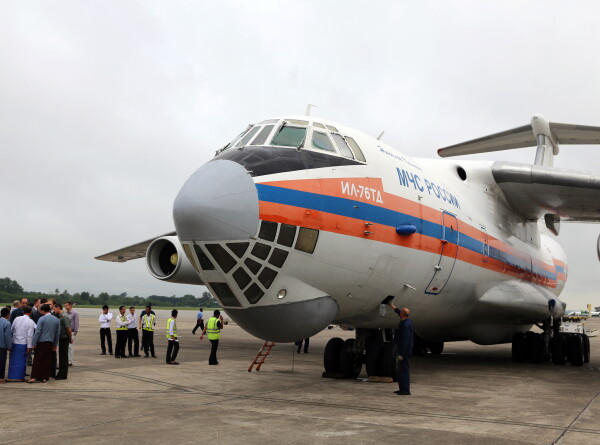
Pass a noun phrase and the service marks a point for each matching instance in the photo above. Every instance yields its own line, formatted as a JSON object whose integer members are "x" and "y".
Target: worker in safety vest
{"x": 172, "y": 340}
{"x": 213, "y": 331}
{"x": 122, "y": 323}
{"x": 147, "y": 323}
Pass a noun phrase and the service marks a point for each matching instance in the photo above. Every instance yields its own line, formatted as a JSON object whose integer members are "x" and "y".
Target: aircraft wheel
{"x": 436, "y": 347}
{"x": 586, "y": 348}
{"x": 535, "y": 347}
{"x": 372, "y": 362}
{"x": 519, "y": 348}
{"x": 350, "y": 364}
{"x": 388, "y": 363}
{"x": 331, "y": 356}
{"x": 575, "y": 348}
{"x": 558, "y": 349}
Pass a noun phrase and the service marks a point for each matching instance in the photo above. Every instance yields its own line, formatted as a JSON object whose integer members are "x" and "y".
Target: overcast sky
{"x": 106, "y": 107}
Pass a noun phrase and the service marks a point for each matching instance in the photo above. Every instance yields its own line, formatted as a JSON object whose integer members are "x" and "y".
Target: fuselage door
{"x": 449, "y": 250}
{"x": 486, "y": 245}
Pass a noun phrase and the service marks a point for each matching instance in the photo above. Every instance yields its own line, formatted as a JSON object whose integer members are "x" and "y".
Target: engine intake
{"x": 167, "y": 261}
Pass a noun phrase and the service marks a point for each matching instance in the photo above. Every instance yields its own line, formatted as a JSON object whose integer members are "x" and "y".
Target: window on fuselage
{"x": 342, "y": 146}
{"x": 321, "y": 141}
{"x": 247, "y": 137}
{"x": 262, "y": 136}
{"x": 289, "y": 136}
{"x": 358, "y": 154}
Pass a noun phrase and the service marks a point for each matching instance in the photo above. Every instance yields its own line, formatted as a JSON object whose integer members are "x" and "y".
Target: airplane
{"x": 300, "y": 222}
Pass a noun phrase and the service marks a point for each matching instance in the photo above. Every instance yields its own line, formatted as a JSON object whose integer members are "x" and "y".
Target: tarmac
{"x": 469, "y": 395}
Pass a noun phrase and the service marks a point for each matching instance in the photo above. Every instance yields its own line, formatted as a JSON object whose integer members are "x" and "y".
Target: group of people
{"x": 127, "y": 326}
{"x": 33, "y": 335}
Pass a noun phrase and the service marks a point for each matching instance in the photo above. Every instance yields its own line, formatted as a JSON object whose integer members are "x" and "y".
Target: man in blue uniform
{"x": 404, "y": 345}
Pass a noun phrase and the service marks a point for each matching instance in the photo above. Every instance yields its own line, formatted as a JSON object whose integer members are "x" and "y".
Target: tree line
{"x": 11, "y": 290}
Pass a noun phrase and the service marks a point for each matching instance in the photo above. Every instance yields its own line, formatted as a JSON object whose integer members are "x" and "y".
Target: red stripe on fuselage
{"x": 356, "y": 227}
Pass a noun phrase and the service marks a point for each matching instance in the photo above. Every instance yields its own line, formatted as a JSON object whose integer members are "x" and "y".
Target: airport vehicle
{"x": 300, "y": 222}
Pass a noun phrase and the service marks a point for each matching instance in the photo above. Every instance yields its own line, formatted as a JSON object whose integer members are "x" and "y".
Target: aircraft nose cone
{"x": 218, "y": 202}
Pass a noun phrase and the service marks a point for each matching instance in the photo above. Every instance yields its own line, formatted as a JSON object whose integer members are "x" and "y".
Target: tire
{"x": 436, "y": 347}
{"x": 535, "y": 347}
{"x": 331, "y": 356}
{"x": 388, "y": 363}
{"x": 372, "y": 359}
{"x": 558, "y": 349}
{"x": 350, "y": 364}
{"x": 519, "y": 350}
{"x": 586, "y": 348}
{"x": 575, "y": 348}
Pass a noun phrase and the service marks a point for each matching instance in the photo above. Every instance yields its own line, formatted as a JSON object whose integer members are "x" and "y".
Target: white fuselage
{"x": 472, "y": 269}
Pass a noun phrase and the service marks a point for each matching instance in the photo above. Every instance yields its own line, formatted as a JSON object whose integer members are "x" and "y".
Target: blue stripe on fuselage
{"x": 380, "y": 215}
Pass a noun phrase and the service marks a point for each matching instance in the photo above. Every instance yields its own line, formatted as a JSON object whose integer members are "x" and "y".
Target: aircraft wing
{"x": 535, "y": 190}
{"x": 132, "y": 252}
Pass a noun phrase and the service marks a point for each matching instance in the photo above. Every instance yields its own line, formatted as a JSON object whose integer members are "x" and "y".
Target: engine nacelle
{"x": 167, "y": 261}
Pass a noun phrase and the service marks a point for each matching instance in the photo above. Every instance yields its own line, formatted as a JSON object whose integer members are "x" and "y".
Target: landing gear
{"x": 551, "y": 344}
{"x": 342, "y": 358}
{"x": 422, "y": 347}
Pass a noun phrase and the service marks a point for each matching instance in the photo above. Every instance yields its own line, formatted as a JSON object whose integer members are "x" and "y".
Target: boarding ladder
{"x": 262, "y": 355}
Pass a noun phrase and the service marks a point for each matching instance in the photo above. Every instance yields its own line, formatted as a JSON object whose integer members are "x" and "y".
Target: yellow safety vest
{"x": 212, "y": 330}
{"x": 148, "y": 321}
{"x": 123, "y": 318}
{"x": 174, "y": 328}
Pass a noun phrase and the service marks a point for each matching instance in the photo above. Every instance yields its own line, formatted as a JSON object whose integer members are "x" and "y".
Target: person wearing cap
{"x": 213, "y": 330}
{"x": 172, "y": 340}
{"x": 5, "y": 340}
{"x": 403, "y": 336}
{"x": 122, "y": 323}
{"x": 105, "y": 319}
{"x": 147, "y": 324}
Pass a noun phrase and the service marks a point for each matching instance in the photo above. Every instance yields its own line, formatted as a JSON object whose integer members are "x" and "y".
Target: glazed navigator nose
{"x": 218, "y": 202}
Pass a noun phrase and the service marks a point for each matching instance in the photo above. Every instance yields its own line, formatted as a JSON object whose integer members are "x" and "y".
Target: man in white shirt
{"x": 74, "y": 318}
{"x": 132, "y": 334}
{"x": 122, "y": 323}
{"x": 105, "y": 319}
{"x": 23, "y": 329}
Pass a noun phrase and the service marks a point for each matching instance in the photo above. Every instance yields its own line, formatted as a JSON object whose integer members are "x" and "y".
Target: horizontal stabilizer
{"x": 534, "y": 191}
{"x": 133, "y": 252}
{"x": 526, "y": 136}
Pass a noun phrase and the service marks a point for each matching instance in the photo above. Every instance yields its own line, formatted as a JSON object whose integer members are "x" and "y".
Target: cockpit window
{"x": 296, "y": 122}
{"x": 321, "y": 141}
{"x": 358, "y": 154}
{"x": 262, "y": 136}
{"x": 269, "y": 121}
{"x": 341, "y": 144}
{"x": 289, "y": 136}
{"x": 331, "y": 128}
{"x": 318, "y": 125}
{"x": 247, "y": 137}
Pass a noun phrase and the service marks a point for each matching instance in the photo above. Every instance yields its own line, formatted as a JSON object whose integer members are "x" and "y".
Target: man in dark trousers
{"x": 63, "y": 343}
{"x": 213, "y": 330}
{"x": 404, "y": 345}
{"x": 172, "y": 340}
{"x": 122, "y": 332}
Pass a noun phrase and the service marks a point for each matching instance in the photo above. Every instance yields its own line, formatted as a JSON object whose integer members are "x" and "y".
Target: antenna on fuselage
{"x": 308, "y": 107}
{"x": 380, "y": 134}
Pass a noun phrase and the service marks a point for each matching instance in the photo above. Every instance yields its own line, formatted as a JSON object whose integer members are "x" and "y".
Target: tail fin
{"x": 540, "y": 132}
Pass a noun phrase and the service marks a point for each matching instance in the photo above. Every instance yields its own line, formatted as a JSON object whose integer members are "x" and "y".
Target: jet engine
{"x": 167, "y": 261}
